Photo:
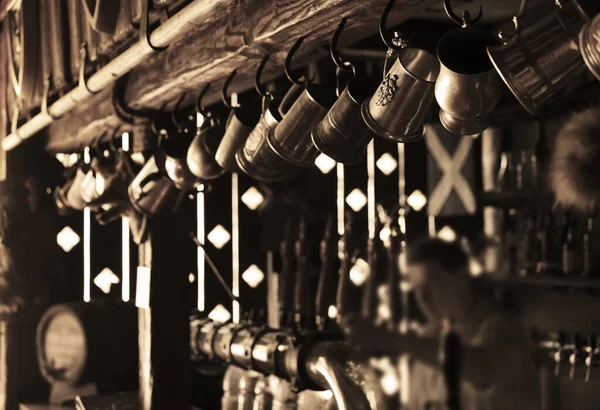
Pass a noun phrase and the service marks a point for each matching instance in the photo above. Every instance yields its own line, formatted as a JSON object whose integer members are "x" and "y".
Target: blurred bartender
{"x": 497, "y": 368}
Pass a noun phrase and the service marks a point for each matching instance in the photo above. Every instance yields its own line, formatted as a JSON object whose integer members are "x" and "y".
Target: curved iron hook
{"x": 288, "y": 62}
{"x": 174, "y": 120}
{"x": 225, "y": 87}
{"x": 383, "y": 28}
{"x": 516, "y": 23}
{"x": 466, "y": 19}
{"x": 198, "y": 105}
{"x": 333, "y": 50}
{"x": 153, "y": 121}
{"x": 260, "y": 89}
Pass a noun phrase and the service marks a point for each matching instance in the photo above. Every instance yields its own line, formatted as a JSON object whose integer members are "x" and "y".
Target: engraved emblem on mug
{"x": 385, "y": 93}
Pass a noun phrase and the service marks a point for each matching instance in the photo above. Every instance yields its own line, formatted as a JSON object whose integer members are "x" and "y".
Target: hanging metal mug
{"x": 239, "y": 125}
{"x": 177, "y": 169}
{"x": 73, "y": 196}
{"x": 291, "y": 140}
{"x": 61, "y": 203}
{"x": 343, "y": 135}
{"x": 468, "y": 87}
{"x": 589, "y": 44}
{"x": 397, "y": 110}
{"x": 538, "y": 61}
{"x": 113, "y": 177}
{"x": 151, "y": 190}
{"x": 201, "y": 154}
{"x": 88, "y": 186}
{"x": 256, "y": 158}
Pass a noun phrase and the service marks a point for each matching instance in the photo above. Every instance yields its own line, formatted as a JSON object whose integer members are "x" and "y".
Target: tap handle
{"x": 369, "y": 297}
{"x": 344, "y": 273}
{"x": 321, "y": 305}
{"x": 285, "y": 279}
{"x": 393, "y": 274}
{"x": 300, "y": 285}
{"x": 452, "y": 358}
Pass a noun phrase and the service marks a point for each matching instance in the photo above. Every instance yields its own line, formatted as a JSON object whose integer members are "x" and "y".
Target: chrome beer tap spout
{"x": 577, "y": 356}
{"x": 593, "y": 356}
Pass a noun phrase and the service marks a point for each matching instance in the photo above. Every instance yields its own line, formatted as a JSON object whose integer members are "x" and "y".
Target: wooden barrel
{"x": 96, "y": 342}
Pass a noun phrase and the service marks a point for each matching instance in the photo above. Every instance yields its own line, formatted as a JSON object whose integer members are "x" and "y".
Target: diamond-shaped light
{"x": 191, "y": 278}
{"x": 447, "y": 234}
{"x": 252, "y": 198}
{"x": 67, "y": 160}
{"x": 67, "y": 239}
{"x": 387, "y": 164}
{"x": 219, "y": 314}
{"x": 417, "y": 200}
{"x": 332, "y": 312}
{"x": 356, "y": 199}
{"x": 253, "y": 276}
{"x": 325, "y": 163}
{"x": 218, "y": 236}
{"x": 105, "y": 280}
{"x": 359, "y": 272}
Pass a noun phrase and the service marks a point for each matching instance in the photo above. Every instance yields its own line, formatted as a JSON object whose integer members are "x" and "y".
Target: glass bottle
{"x": 528, "y": 250}
{"x": 569, "y": 249}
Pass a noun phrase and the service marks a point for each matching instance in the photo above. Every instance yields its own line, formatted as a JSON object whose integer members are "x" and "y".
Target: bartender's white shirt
{"x": 518, "y": 388}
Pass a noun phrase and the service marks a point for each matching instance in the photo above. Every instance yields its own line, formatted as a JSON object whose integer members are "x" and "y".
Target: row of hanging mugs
{"x": 290, "y": 132}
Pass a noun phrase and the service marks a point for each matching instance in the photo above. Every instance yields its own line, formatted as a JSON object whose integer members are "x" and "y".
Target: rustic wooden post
{"x": 163, "y": 318}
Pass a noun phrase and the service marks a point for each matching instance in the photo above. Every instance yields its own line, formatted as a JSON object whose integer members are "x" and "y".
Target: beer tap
{"x": 451, "y": 358}
{"x": 394, "y": 245}
{"x": 593, "y": 356}
{"x": 285, "y": 279}
{"x": 562, "y": 352}
{"x": 300, "y": 284}
{"x": 577, "y": 354}
{"x": 369, "y": 300}
{"x": 344, "y": 273}
{"x": 325, "y": 280}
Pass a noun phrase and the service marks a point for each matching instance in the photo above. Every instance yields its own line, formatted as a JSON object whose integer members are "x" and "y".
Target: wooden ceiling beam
{"x": 234, "y": 35}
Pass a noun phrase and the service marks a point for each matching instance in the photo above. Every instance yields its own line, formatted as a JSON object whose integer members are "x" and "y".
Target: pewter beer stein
{"x": 201, "y": 154}
{"x": 292, "y": 140}
{"x": 239, "y": 125}
{"x": 151, "y": 191}
{"x": 256, "y": 157}
{"x": 397, "y": 110}
{"x": 538, "y": 61}
{"x": 468, "y": 87}
{"x": 589, "y": 44}
{"x": 342, "y": 134}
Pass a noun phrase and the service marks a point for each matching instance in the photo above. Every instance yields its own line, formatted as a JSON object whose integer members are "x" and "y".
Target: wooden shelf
{"x": 541, "y": 281}
{"x": 516, "y": 199}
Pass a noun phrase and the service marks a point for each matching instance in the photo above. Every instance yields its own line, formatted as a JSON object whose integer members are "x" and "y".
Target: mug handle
{"x": 148, "y": 178}
{"x": 290, "y": 98}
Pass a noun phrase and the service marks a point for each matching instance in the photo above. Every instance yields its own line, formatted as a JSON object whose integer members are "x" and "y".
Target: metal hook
{"x": 225, "y": 87}
{"x": 465, "y": 20}
{"x": 153, "y": 121}
{"x": 288, "y": 61}
{"x": 83, "y": 59}
{"x": 199, "y": 108}
{"x": 392, "y": 44}
{"x": 260, "y": 89}
{"x": 44, "y": 107}
{"x": 341, "y": 64}
{"x": 144, "y": 22}
{"x": 516, "y": 20}
{"x": 174, "y": 120}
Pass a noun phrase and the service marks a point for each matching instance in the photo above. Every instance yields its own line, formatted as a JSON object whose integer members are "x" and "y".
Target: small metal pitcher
{"x": 151, "y": 190}
{"x": 468, "y": 87}
{"x": 292, "y": 140}
{"x": 201, "y": 154}
{"x": 589, "y": 44}
{"x": 256, "y": 157}
{"x": 175, "y": 152}
{"x": 73, "y": 196}
{"x": 538, "y": 61}
{"x": 398, "y": 109}
{"x": 239, "y": 125}
{"x": 342, "y": 134}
